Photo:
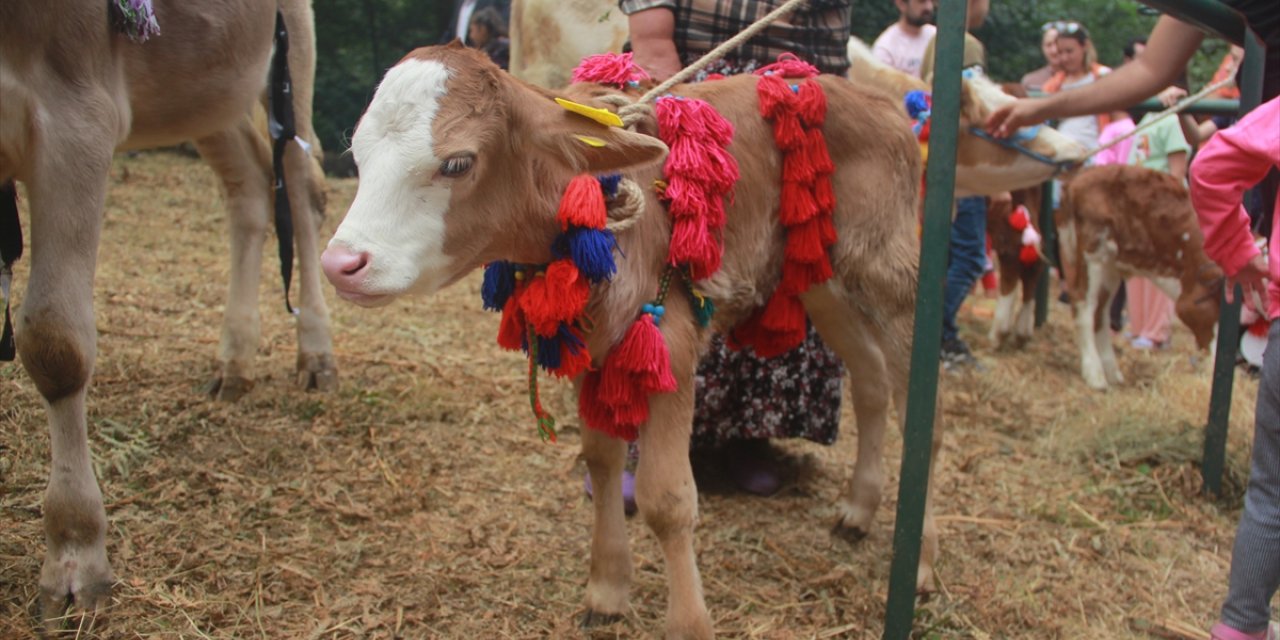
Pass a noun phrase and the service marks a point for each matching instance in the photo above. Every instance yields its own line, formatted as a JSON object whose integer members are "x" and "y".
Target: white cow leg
{"x": 1090, "y": 361}
{"x": 668, "y": 501}
{"x": 1102, "y": 332}
{"x": 1002, "y": 326}
{"x": 610, "y": 581}
{"x": 316, "y": 366}
{"x": 57, "y": 344}
{"x": 241, "y": 159}
{"x": 1026, "y": 323}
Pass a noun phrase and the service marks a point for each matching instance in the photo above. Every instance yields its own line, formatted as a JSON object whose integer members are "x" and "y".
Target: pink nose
{"x": 344, "y": 269}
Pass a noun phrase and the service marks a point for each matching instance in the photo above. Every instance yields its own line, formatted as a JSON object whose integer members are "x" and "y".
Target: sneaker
{"x": 1142, "y": 342}
{"x": 1221, "y": 631}
{"x": 956, "y": 354}
{"x": 628, "y": 491}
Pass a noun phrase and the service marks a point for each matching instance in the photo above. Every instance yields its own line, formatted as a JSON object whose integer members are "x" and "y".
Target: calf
{"x": 1018, "y": 261}
{"x": 74, "y": 92}
{"x": 983, "y": 166}
{"x": 461, "y": 165}
{"x": 1118, "y": 221}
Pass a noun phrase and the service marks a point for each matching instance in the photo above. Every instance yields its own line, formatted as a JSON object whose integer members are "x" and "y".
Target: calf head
{"x": 1200, "y": 303}
{"x": 460, "y": 164}
{"x": 983, "y": 167}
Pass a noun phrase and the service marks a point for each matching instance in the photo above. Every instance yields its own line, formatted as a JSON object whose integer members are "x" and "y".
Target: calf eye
{"x": 457, "y": 166}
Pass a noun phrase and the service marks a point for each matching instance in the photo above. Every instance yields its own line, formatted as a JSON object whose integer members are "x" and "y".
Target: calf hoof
{"x": 228, "y": 388}
{"x": 849, "y": 533}
{"x": 925, "y": 584}
{"x": 75, "y": 595}
{"x": 317, "y": 372}
{"x": 592, "y": 619}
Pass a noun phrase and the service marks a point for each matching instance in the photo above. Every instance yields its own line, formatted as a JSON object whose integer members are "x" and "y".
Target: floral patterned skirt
{"x": 742, "y": 396}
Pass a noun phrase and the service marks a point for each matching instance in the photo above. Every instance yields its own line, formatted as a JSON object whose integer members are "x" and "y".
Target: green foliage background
{"x": 359, "y": 39}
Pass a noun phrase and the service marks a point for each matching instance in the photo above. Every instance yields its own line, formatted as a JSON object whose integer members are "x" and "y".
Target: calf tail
{"x": 1070, "y": 253}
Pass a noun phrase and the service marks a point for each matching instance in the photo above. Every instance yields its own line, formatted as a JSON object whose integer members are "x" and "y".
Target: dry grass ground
{"x": 418, "y": 502}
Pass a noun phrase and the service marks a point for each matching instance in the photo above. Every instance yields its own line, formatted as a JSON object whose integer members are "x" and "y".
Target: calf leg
{"x": 882, "y": 359}
{"x": 1091, "y": 366}
{"x": 57, "y": 343}
{"x": 668, "y": 501}
{"x": 1102, "y": 327}
{"x": 305, "y": 180}
{"x": 1026, "y": 322}
{"x": 240, "y": 158}
{"x": 610, "y": 580}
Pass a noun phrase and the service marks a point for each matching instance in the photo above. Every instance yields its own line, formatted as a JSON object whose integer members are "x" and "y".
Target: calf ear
{"x": 585, "y": 145}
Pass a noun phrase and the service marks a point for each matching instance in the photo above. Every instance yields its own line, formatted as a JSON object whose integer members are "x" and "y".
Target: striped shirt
{"x": 817, "y": 32}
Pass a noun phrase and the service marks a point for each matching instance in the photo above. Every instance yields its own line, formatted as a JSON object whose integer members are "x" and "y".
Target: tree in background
{"x": 358, "y": 40}
{"x": 1012, "y": 32}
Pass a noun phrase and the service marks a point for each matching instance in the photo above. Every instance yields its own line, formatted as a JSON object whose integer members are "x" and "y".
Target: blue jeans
{"x": 967, "y": 259}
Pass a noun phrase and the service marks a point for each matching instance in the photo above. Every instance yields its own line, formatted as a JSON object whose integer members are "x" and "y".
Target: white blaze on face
{"x": 398, "y": 216}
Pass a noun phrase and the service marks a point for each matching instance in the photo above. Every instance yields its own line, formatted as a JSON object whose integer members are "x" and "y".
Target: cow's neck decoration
{"x": 544, "y": 306}
{"x": 617, "y": 70}
{"x": 798, "y": 112}
{"x": 1020, "y": 220}
{"x": 919, "y": 106}
{"x": 134, "y": 18}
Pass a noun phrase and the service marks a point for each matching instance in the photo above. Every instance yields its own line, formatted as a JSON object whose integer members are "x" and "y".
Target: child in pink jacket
{"x": 1231, "y": 162}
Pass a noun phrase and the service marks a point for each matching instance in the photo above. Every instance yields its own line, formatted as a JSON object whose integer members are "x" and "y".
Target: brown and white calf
{"x": 1118, "y": 221}
{"x": 1015, "y": 317}
{"x": 461, "y": 164}
{"x": 75, "y": 91}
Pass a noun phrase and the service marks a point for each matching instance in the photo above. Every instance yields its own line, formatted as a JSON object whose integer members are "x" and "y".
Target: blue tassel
{"x": 592, "y": 252}
{"x": 917, "y": 102}
{"x": 703, "y": 309}
{"x": 499, "y": 283}
{"x": 549, "y": 348}
{"x": 609, "y": 184}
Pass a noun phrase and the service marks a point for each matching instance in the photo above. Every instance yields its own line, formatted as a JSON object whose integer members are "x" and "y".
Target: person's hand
{"x": 1251, "y": 279}
{"x": 1171, "y": 95}
{"x": 1005, "y": 121}
{"x": 659, "y": 61}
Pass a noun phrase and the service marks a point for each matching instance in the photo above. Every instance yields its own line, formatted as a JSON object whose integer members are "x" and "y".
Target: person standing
{"x": 459, "y": 25}
{"x": 743, "y": 401}
{"x": 1034, "y": 80}
{"x": 903, "y": 43}
{"x": 1079, "y": 67}
{"x": 488, "y": 33}
{"x": 1232, "y": 161}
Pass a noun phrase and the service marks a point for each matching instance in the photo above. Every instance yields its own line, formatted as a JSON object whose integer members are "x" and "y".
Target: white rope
{"x": 720, "y": 51}
{"x": 1181, "y": 106}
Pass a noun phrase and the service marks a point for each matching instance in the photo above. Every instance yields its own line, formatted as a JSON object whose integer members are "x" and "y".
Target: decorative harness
{"x": 544, "y": 306}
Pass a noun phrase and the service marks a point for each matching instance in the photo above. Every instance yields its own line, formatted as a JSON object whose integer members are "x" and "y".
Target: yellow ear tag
{"x": 603, "y": 116}
{"x": 591, "y": 141}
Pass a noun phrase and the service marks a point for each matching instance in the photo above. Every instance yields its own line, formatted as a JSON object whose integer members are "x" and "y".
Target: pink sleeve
{"x": 1233, "y": 161}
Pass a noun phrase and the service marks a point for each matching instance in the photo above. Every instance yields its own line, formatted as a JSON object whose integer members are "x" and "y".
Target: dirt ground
{"x": 418, "y": 501}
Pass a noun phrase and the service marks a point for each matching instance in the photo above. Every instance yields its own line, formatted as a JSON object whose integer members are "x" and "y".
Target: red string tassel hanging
{"x": 582, "y": 204}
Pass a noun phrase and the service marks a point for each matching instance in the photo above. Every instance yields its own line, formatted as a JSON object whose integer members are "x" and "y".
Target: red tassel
{"x": 818, "y": 153}
{"x": 597, "y": 414}
{"x": 787, "y": 133}
{"x": 573, "y": 361}
{"x": 797, "y": 168}
{"x": 559, "y": 295}
{"x": 583, "y": 204}
{"x": 511, "y": 331}
{"x": 804, "y": 242}
{"x": 783, "y": 314}
{"x": 824, "y": 195}
{"x": 643, "y": 351}
{"x": 775, "y": 96}
{"x": 1029, "y": 255}
{"x": 1019, "y": 219}
{"x": 688, "y": 198}
{"x": 797, "y": 205}
{"x": 705, "y": 266}
{"x": 812, "y": 104}
{"x": 690, "y": 240}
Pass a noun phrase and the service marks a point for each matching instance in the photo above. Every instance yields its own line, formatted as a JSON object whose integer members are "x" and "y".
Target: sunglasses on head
{"x": 1061, "y": 26}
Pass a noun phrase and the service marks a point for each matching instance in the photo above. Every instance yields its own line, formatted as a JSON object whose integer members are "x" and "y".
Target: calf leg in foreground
{"x": 610, "y": 581}
{"x": 57, "y": 343}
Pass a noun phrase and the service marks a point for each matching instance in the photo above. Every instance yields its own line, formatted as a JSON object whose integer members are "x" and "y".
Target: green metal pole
{"x": 1049, "y": 248}
{"x": 1224, "y": 366}
{"x": 922, "y": 390}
